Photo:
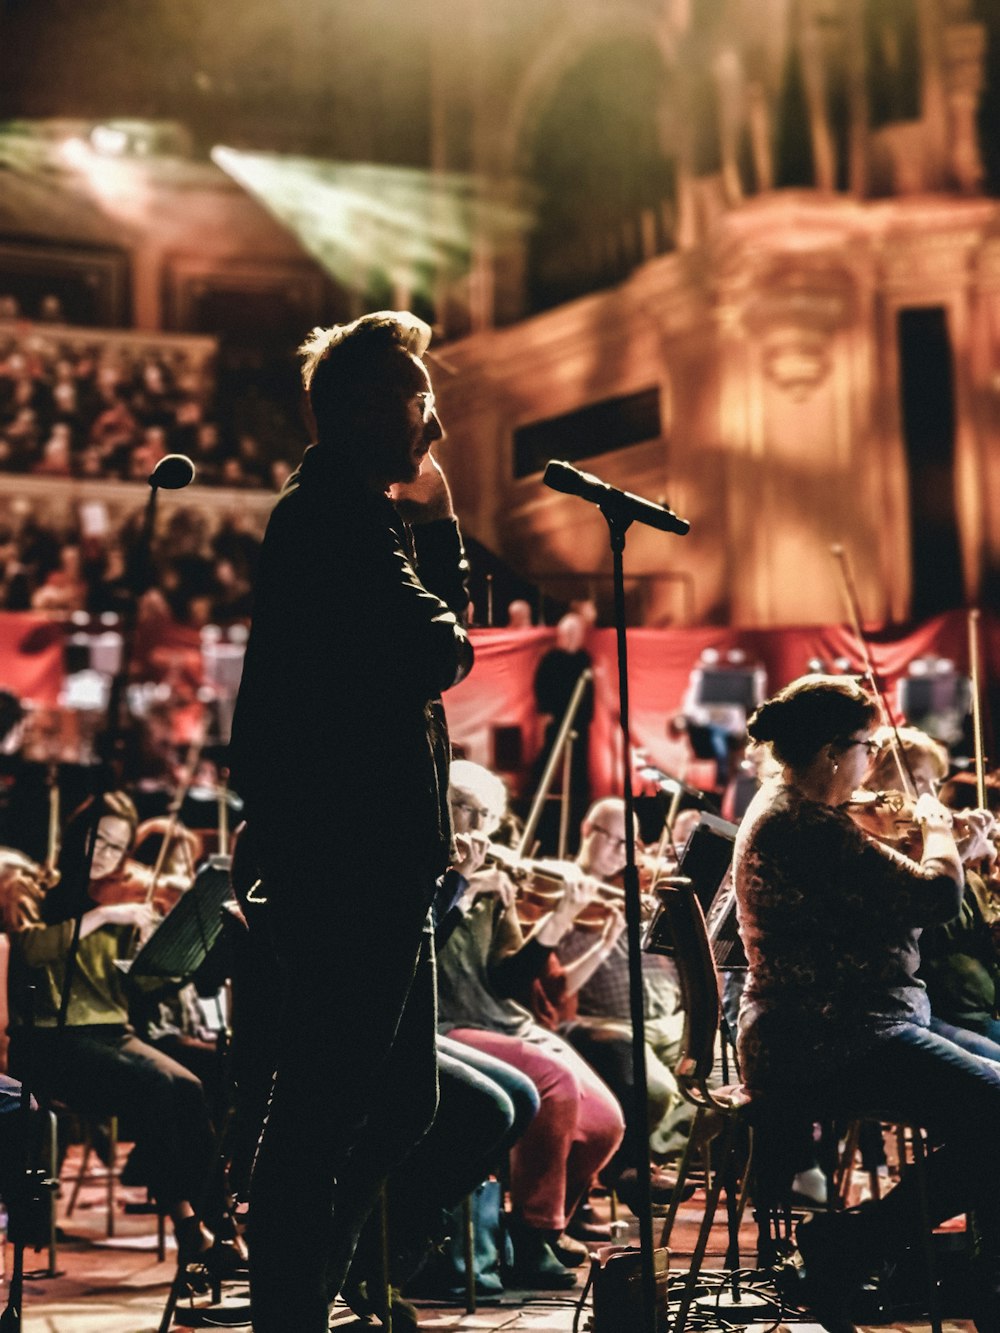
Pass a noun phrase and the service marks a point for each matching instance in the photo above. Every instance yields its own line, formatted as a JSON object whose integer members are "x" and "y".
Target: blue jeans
{"x": 986, "y": 1044}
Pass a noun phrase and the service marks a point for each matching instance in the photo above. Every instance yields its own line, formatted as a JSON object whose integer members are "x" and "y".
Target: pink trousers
{"x": 575, "y": 1132}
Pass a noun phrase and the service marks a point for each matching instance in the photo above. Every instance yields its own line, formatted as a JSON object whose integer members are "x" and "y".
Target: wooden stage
{"x": 119, "y": 1286}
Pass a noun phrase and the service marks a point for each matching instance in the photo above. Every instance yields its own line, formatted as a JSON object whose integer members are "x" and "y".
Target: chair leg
{"x": 81, "y": 1174}
{"x": 682, "y": 1175}
{"x": 736, "y": 1206}
{"x": 711, "y": 1203}
{"x": 926, "y": 1229}
{"x": 52, "y": 1171}
{"x": 112, "y": 1166}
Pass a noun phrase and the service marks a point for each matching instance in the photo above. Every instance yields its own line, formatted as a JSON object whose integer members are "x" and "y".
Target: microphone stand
{"x": 617, "y": 528}
{"x": 171, "y": 473}
{"x": 620, "y": 510}
{"x": 618, "y": 524}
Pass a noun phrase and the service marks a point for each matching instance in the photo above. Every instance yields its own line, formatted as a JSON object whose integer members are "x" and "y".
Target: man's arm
{"x": 426, "y": 505}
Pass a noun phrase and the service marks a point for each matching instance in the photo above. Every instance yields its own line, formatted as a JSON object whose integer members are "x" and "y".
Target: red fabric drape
{"x": 31, "y": 657}
{"x": 499, "y": 690}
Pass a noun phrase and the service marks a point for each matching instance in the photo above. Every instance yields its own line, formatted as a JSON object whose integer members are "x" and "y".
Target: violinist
{"x": 833, "y": 1015}
{"x": 602, "y": 1029}
{"x": 484, "y": 960}
{"x": 96, "y": 1064}
{"x": 958, "y": 958}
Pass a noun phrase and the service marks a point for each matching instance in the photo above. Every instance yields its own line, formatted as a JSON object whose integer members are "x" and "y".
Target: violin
{"x": 133, "y": 882}
{"x": 889, "y": 817}
{"x": 541, "y": 884}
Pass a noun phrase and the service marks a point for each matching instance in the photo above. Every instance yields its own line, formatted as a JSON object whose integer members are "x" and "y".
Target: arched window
{"x": 597, "y": 162}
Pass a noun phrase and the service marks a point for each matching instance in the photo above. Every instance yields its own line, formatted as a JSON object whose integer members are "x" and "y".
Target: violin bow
{"x": 972, "y": 622}
{"x": 850, "y": 591}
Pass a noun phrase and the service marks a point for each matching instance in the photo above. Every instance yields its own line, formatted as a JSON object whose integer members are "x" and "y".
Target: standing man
{"x": 340, "y": 751}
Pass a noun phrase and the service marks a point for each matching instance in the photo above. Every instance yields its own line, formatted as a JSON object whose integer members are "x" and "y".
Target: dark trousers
{"x": 484, "y": 1108}
{"x": 107, "y": 1070}
{"x": 355, "y": 1083}
{"x": 918, "y": 1075}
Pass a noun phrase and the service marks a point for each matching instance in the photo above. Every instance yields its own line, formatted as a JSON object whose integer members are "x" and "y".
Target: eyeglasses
{"x": 479, "y": 812}
{"x": 428, "y": 403}
{"x": 102, "y": 841}
{"x": 613, "y": 838}
{"x": 872, "y": 747}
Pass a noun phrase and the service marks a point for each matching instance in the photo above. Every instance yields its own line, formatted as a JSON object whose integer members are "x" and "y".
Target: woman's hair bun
{"x": 760, "y": 726}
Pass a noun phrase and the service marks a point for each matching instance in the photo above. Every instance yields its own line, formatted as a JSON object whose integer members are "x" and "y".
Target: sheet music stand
{"x": 181, "y": 943}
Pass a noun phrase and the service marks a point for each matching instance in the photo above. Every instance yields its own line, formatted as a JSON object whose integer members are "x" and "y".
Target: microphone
{"x": 172, "y": 473}
{"x": 617, "y": 506}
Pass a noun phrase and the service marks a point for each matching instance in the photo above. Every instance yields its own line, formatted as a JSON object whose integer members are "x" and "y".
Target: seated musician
{"x": 959, "y": 959}
{"x": 602, "y": 1029}
{"x": 484, "y": 960}
{"x": 97, "y": 1065}
{"x": 833, "y": 1016}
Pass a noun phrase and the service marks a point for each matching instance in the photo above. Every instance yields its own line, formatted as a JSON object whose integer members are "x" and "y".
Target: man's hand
{"x": 426, "y": 499}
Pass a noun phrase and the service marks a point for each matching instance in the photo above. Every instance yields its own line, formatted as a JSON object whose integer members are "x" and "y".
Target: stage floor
{"x": 119, "y": 1286}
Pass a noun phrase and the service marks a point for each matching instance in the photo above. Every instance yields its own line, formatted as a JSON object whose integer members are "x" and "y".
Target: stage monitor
{"x": 739, "y": 686}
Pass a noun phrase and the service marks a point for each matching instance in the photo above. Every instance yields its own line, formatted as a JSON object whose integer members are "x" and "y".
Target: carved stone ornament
{"x": 794, "y": 323}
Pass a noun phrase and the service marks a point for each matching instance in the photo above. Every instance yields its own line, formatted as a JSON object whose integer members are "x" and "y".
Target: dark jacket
{"x": 339, "y": 736}
{"x": 960, "y": 965}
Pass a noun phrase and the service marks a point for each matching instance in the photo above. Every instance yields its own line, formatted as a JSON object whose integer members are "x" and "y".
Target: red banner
{"x": 499, "y": 692}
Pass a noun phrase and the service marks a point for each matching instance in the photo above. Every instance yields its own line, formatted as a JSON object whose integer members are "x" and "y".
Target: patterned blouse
{"x": 830, "y": 920}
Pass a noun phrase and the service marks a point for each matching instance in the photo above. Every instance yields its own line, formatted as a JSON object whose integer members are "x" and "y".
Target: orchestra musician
{"x": 959, "y": 962}
{"x": 602, "y": 1029}
{"x": 96, "y": 1064}
{"x": 360, "y": 598}
{"x": 484, "y": 961}
{"x": 833, "y": 1015}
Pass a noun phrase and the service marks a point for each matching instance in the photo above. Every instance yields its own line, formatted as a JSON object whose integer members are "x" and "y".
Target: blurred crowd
{"x": 73, "y": 404}
{"x": 202, "y": 565}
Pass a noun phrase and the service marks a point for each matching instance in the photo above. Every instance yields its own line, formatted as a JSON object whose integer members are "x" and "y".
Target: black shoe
{"x": 834, "y": 1263}
{"x": 570, "y": 1252}
{"x": 536, "y": 1267}
{"x": 365, "y": 1301}
{"x": 591, "y": 1233}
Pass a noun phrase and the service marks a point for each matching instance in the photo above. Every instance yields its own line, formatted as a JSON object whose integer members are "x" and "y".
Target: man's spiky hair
{"x": 364, "y": 340}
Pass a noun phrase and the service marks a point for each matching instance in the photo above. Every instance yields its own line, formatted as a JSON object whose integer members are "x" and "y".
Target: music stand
{"x": 182, "y": 941}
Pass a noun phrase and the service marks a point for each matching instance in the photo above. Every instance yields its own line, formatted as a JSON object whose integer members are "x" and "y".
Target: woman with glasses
{"x": 833, "y": 1016}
